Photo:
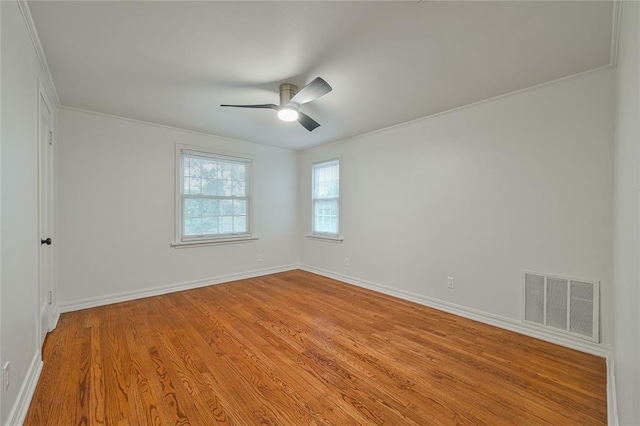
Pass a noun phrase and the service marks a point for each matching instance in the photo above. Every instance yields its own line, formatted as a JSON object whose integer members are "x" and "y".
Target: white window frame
{"x": 181, "y": 240}
{"x": 332, "y": 237}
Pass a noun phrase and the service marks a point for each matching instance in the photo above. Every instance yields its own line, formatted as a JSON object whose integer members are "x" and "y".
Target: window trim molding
{"x": 323, "y": 236}
{"x": 219, "y": 241}
{"x": 179, "y": 240}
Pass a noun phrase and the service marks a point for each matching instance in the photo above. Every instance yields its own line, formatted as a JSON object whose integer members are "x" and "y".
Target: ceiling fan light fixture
{"x": 288, "y": 113}
{"x": 290, "y": 100}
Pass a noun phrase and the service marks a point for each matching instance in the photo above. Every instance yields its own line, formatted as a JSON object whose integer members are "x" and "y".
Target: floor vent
{"x": 564, "y": 304}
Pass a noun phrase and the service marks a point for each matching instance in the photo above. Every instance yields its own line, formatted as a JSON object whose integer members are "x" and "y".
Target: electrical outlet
{"x": 451, "y": 282}
{"x": 259, "y": 258}
{"x": 5, "y": 376}
{"x": 346, "y": 261}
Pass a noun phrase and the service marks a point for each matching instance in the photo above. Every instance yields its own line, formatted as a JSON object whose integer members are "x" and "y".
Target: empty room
{"x": 320, "y": 212}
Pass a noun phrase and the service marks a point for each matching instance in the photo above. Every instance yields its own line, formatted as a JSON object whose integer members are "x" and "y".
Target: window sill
{"x": 330, "y": 238}
{"x": 203, "y": 243}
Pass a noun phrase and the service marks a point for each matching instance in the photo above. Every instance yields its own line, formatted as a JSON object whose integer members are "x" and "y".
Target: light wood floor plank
{"x": 299, "y": 349}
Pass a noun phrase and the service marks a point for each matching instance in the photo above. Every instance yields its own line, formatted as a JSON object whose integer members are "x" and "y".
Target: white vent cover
{"x": 570, "y": 305}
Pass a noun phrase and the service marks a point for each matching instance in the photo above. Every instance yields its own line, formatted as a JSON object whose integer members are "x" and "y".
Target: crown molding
{"x": 615, "y": 31}
{"x": 47, "y": 79}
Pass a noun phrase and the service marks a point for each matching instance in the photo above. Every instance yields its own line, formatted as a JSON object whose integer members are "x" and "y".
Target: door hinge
{"x": 50, "y": 138}
{"x": 50, "y": 297}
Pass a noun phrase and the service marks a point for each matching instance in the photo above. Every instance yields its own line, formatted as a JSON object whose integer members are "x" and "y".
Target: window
{"x": 214, "y": 197}
{"x": 326, "y": 198}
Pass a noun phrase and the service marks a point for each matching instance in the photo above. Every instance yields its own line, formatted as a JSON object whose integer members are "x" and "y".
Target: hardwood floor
{"x": 299, "y": 349}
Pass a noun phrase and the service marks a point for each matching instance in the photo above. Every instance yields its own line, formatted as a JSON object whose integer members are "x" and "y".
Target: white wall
{"x": 627, "y": 218}
{"x": 19, "y": 215}
{"x": 116, "y": 210}
{"x": 479, "y": 194}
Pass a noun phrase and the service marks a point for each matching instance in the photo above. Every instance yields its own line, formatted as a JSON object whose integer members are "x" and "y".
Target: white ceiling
{"x": 174, "y": 63}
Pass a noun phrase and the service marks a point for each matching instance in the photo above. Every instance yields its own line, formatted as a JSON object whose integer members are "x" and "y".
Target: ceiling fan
{"x": 290, "y": 100}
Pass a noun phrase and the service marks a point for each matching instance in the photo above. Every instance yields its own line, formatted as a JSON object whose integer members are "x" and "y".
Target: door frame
{"x": 45, "y": 216}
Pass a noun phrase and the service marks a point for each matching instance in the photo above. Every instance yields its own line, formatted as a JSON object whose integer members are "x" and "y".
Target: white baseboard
{"x": 21, "y": 406}
{"x": 92, "y": 302}
{"x": 56, "y": 318}
{"x": 601, "y": 349}
{"x": 612, "y": 403}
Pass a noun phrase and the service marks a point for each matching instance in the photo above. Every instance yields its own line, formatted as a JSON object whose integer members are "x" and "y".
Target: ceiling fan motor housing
{"x": 287, "y": 91}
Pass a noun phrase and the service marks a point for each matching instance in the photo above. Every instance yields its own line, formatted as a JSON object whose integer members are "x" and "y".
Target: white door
{"x": 45, "y": 190}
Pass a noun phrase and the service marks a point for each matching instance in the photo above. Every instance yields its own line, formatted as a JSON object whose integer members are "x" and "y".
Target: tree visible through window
{"x": 326, "y": 197}
{"x": 214, "y": 195}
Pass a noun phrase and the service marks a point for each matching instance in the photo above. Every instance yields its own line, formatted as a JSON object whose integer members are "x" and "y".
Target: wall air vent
{"x": 568, "y": 305}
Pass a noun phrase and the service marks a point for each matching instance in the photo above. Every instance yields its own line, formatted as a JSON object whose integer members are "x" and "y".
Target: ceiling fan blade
{"x": 265, "y": 106}
{"x": 311, "y": 91}
{"x": 308, "y": 122}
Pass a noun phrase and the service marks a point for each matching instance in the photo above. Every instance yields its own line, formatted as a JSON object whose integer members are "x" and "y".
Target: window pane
{"x": 195, "y": 185}
{"x": 215, "y": 195}
{"x": 226, "y": 207}
{"x": 209, "y": 225}
{"x": 192, "y": 208}
{"x": 225, "y": 225}
{"x": 326, "y": 180}
{"x": 224, "y": 170}
{"x": 209, "y": 170}
{"x": 239, "y": 224}
{"x": 326, "y": 216}
{"x": 209, "y": 182}
{"x": 192, "y": 227}
{"x": 185, "y": 164}
{"x": 240, "y": 207}
{"x": 326, "y": 195}
{"x": 238, "y": 188}
{"x": 210, "y": 207}
{"x": 239, "y": 171}
{"x": 225, "y": 188}
{"x": 195, "y": 167}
